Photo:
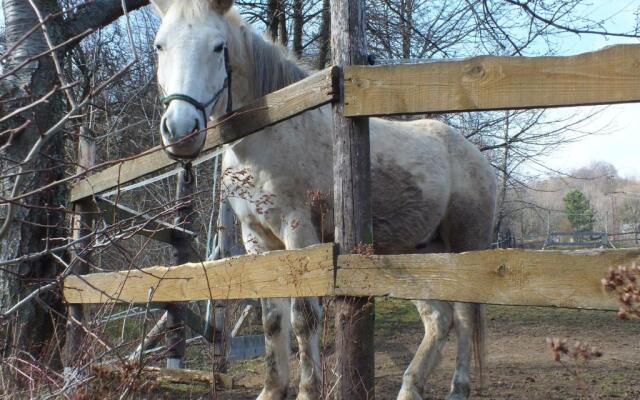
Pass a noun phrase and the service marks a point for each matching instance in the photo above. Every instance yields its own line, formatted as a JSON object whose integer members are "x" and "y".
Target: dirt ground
{"x": 520, "y": 363}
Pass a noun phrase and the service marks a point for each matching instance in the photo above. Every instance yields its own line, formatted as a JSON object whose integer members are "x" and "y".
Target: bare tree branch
{"x": 98, "y": 14}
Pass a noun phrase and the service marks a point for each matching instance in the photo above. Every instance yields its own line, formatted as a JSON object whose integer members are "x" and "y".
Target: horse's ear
{"x": 222, "y": 6}
{"x": 161, "y": 6}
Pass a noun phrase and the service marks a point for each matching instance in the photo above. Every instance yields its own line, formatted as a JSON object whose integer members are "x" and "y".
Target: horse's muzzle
{"x": 182, "y": 140}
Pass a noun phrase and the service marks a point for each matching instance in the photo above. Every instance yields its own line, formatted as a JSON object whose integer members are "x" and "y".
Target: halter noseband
{"x": 202, "y": 107}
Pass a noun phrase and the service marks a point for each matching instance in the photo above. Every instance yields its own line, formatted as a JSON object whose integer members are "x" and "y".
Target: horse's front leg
{"x": 306, "y": 319}
{"x": 276, "y": 326}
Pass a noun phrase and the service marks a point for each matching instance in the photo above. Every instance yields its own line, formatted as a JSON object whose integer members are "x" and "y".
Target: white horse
{"x": 431, "y": 189}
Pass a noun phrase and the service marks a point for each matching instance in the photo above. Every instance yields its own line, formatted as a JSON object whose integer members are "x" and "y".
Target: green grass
{"x": 568, "y": 319}
{"x": 394, "y": 314}
{"x": 612, "y": 385}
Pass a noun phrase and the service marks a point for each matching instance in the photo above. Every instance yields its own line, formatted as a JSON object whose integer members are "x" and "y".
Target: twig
{"x": 28, "y": 298}
{"x": 41, "y": 100}
{"x": 144, "y": 327}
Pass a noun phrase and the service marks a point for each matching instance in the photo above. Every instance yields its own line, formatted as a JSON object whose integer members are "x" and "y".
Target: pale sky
{"x": 622, "y": 146}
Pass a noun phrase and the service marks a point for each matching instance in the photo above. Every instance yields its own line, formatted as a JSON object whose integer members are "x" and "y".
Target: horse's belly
{"x": 407, "y": 210}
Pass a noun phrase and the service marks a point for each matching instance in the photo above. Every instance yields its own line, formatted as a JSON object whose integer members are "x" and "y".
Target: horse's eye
{"x": 218, "y": 48}
{"x": 158, "y": 47}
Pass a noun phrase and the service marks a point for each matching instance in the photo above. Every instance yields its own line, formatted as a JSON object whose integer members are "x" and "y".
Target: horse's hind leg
{"x": 437, "y": 319}
{"x": 463, "y": 317}
{"x": 467, "y": 229}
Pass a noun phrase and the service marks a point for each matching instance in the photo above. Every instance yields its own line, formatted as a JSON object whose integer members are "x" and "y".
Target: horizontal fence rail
{"x": 485, "y": 83}
{"x": 568, "y": 279}
{"x": 292, "y": 273}
{"x": 286, "y": 103}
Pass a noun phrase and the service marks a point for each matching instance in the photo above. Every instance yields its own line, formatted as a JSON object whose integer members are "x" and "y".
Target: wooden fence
{"x": 605, "y": 76}
{"x": 512, "y": 277}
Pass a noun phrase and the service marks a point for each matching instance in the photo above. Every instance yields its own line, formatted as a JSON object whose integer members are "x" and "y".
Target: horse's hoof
{"x": 308, "y": 396}
{"x": 272, "y": 395}
{"x": 409, "y": 394}
{"x": 459, "y": 391}
{"x": 457, "y": 396}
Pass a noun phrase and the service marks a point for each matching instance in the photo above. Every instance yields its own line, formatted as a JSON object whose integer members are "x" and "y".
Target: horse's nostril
{"x": 165, "y": 127}
{"x": 197, "y": 128}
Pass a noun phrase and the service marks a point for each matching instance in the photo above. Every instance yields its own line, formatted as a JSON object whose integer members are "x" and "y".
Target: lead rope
{"x": 188, "y": 172}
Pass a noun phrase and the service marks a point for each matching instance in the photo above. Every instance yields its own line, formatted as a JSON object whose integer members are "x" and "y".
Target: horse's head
{"x": 193, "y": 72}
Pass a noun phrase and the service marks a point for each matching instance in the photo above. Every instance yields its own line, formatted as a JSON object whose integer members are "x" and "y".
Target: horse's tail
{"x": 479, "y": 339}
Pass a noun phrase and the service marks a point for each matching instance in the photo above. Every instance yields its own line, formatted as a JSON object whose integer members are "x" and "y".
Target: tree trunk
{"x": 325, "y": 34}
{"x": 283, "y": 36}
{"x": 503, "y": 183}
{"x": 405, "y": 29}
{"x": 298, "y": 24}
{"x": 272, "y": 19}
{"x": 31, "y": 328}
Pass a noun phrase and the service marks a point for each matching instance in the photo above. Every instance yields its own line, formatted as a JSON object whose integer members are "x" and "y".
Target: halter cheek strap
{"x": 202, "y": 107}
{"x": 227, "y": 68}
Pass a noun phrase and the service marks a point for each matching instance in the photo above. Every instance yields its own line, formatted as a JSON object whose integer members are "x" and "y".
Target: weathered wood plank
{"x": 275, "y": 107}
{"x": 291, "y": 273}
{"x": 354, "y": 316}
{"x": 165, "y": 376}
{"x": 568, "y": 279}
{"x": 606, "y": 76}
{"x": 513, "y": 277}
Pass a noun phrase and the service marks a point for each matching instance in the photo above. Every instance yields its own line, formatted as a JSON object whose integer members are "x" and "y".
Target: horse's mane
{"x": 272, "y": 67}
{"x": 192, "y": 9}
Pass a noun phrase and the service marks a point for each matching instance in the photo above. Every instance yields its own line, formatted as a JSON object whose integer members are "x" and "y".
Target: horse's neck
{"x": 258, "y": 66}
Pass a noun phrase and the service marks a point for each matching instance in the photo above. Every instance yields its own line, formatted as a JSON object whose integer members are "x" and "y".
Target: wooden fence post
{"x": 175, "y": 337}
{"x": 354, "y": 321}
{"x": 81, "y": 225}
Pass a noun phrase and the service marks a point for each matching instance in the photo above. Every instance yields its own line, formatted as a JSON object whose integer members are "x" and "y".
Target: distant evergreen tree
{"x": 579, "y": 211}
